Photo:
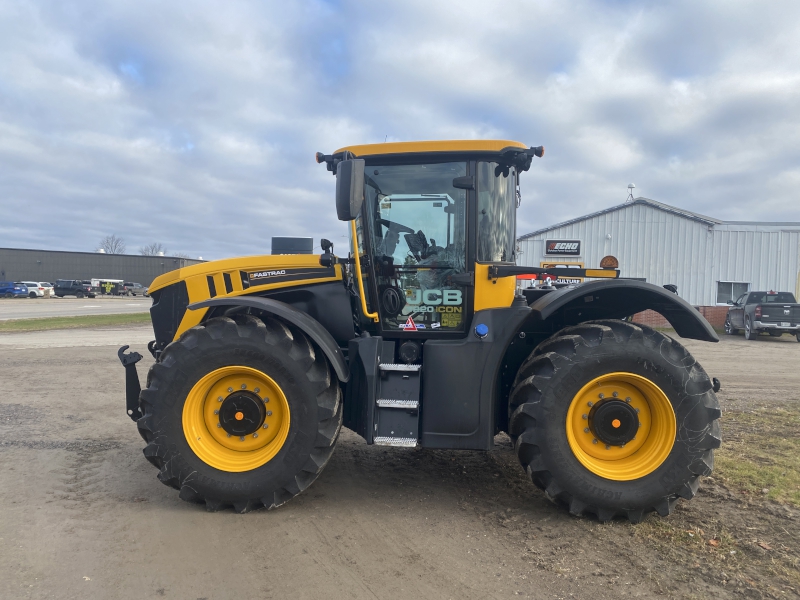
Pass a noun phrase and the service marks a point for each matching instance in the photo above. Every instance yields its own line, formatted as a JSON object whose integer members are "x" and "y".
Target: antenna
{"x": 631, "y": 187}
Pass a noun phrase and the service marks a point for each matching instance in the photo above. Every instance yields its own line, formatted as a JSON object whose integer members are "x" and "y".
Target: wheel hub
{"x": 613, "y": 422}
{"x": 242, "y": 413}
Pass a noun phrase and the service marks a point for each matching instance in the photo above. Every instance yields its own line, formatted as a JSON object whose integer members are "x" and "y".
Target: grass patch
{"x": 759, "y": 452}
{"x": 48, "y": 323}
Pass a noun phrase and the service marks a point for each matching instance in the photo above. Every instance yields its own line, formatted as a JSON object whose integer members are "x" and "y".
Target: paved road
{"x": 28, "y": 308}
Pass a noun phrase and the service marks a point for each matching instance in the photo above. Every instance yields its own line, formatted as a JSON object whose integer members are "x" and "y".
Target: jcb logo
{"x": 434, "y": 297}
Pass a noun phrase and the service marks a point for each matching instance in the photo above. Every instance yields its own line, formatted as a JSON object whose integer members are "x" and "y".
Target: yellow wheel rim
{"x": 211, "y": 443}
{"x": 654, "y": 438}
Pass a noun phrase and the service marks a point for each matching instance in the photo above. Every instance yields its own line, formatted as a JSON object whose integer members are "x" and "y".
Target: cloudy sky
{"x": 194, "y": 124}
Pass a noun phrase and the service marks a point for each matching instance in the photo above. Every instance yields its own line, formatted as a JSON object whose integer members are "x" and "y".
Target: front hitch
{"x": 132, "y": 386}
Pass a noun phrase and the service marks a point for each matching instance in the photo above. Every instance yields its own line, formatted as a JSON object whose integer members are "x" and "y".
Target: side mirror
{"x": 349, "y": 188}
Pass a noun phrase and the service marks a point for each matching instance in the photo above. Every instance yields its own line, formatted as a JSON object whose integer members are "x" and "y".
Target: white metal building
{"x": 711, "y": 261}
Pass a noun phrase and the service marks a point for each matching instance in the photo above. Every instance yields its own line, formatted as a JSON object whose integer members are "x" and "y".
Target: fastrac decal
{"x": 260, "y": 274}
{"x": 562, "y": 247}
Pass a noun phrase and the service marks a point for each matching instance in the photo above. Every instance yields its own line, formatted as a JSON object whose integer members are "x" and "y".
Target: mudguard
{"x": 310, "y": 326}
{"x": 617, "y": 299}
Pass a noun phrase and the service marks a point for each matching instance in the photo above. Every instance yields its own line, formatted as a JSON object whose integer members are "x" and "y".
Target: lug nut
{"x": 601, "y": 396}
{"x": 615, "y": 394}
{"x": 229, "y": 435}
{"x": 219, "y": 399}
{"x": 628, "y": 400}
{"x": 244, "y": 386}
{"x": 255, "y": 435}
{"x": 637, "y": 411}
{"x": 622, "y": 445}
{"x": 265, "y": 426}
{"x": 594, "y": 441}
{"x": 590, "y": 404}
{"x": 220, "y": 425}
{"x": 608, "y": 447}
{"x": 216, "y": 411}
{"x": 266, "y": 400}
{"x": 585, "y": 416}
{"x": 230, "y": 389}
{"x": 256, "y": 390}
{"x": 241, "y": 438}
{"x": 585, "y": 430}
{"x": 269, "y": 413}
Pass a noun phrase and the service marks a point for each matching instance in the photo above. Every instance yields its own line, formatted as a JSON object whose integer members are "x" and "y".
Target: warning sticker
{"x": 451, "y": 319}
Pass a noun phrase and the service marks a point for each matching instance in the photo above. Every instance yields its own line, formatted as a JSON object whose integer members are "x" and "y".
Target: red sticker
{"x": 410, "y": 325}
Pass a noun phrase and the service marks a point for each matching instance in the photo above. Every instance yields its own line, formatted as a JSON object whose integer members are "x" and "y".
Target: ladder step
{"x": 399, "y": 367}
{"x": 388, "y": 403}
{"x": 398, "y": 442}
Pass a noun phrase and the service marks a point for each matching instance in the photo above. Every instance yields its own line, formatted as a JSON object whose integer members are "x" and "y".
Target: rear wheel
{"x": 32, "y": 295}
{"x": 613, "y": 418}
{"x": 749, "y": 333}
{"x": 729, "y": 328}
{"x": 9, "y": 295}
{"x": 240, "y": 413}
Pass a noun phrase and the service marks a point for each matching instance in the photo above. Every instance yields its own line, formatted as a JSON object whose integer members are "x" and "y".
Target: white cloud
{"x": 195, "y": 124}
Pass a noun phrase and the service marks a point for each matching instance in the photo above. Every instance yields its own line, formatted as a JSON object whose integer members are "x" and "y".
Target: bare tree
{"x": 153, "y": 249}
{"x": 180, "y": 255}
{"x": 112, "y": 244}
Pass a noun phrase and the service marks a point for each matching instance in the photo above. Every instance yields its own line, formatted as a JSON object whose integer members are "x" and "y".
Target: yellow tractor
{"x": 416, "y": 337}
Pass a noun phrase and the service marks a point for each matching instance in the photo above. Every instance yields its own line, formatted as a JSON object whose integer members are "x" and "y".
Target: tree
{"x": 153, "y": 249}
{"x": 112, "y": 244}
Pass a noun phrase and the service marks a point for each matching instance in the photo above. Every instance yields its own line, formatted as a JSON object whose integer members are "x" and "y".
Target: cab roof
{"x": 438, "y": 146}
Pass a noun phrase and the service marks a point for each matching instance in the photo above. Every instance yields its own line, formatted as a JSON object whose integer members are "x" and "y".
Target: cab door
{"x": 737, "y": 312}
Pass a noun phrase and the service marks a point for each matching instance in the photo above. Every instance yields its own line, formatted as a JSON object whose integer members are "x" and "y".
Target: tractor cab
{"x": 425, "y": 218}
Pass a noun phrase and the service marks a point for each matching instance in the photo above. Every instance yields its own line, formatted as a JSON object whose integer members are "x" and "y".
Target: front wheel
{"x": 242, "y": 413}
{"x": 613, "y": 418}
{"x": 749, "y": 333}
{"x": 729, "y": 328}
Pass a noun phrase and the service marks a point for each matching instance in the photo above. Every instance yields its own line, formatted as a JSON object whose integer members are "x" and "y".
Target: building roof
{"x": 709, "y": 221}
{"x": 641, "y": 201}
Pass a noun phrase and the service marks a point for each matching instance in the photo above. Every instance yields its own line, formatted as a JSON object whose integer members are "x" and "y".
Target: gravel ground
{"x": 84, "y": 516}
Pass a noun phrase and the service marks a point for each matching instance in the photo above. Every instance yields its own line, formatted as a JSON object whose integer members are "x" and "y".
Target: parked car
{"x": 36, "y": 289}
{"x": 773, "y": 312}
{"x": 75, "y": 287}
{"x": 11, "y": 289}
{"x": 135, "y": 289}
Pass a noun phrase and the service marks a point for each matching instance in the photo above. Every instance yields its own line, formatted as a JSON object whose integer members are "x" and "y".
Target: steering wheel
{"x": 392, "y": 226}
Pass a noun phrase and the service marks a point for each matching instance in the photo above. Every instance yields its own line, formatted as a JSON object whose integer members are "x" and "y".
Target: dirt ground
{"x": 84, "y": 516}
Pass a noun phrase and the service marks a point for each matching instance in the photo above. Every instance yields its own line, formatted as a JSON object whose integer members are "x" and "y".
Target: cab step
{"x": 397, "y": 405}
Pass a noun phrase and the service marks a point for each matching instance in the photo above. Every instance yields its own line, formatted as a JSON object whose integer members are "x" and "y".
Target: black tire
{"x": 59, "y": 295}
{"x": 288, "y": 357}
{"x": 32, "y": 295}
{"x": 729, "y": 328}
{"x": 552, "y": 376}
{"x": 79, "y": 295}
{"x": 749, "y": 333}
{"x": 9, "y": 295}
{"x": 797, "y": 336}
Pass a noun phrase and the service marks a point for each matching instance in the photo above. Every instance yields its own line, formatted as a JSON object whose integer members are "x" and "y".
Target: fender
{"x": 617, "y": 299}
{"x": 310, "y": 326}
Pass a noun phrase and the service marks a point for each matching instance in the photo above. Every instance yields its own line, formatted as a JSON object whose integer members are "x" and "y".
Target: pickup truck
{"x": 773, "y": 312}
{"x": 75, "y": 287}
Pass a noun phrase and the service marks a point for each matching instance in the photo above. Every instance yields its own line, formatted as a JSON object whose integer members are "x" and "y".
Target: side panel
{"x": 461, "y": 382}
{"x": 492, "y": 293}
